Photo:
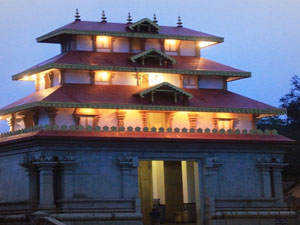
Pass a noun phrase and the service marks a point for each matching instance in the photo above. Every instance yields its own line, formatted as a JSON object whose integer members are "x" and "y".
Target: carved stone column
{"x": 120, "y": 117}
{"x": 46, "y": 183}
{"x": 212, "y": 165}
{"x": 193, "y": 118}
{"x": 199, "y": 191}
{"x": 278, "y": 189}
{"x": 62, "y": 77}
{"x": 267, "y": 193}
{"x": 96, "y": 120}
{"x": 128, "y": 166}
{"x": 254, "y": 121}
{"x": 197, "y": 49}
{"x": 92, "y": 77}
{"x": 51, "y": 112}
{"x": 12, "y": 122}
{"x": 32, "y": 178}
{"x": 144, "y": 118}
{"x": 66, "y": 168}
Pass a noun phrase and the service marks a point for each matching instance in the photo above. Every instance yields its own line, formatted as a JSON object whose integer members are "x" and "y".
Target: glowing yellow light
{"x": 26, "y": 78}
{"x": 203, "y": 44}
{"x": 87, "y": 111}
{"x": 102, "y": 76}
{"x": 155, "y": 78}
{"x": 102, "y": 38}
{"x": 33, "y": 77}
{"x": 171, "y": 42}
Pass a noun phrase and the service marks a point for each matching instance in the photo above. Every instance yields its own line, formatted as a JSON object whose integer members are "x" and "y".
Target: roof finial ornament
{"x": 179, "y": 23}
{"x": 103, "y": 18}
{"x": 155, "y": 19}
{"x": 77, "y": 16}
{"x": 129, "y": 20}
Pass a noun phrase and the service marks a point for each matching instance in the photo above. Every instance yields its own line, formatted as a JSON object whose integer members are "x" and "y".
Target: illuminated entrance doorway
{"x": 170, "y": 187}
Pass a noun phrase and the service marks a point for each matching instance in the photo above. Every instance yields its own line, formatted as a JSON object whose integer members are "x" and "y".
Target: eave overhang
{"x": 234, "y": 74}
{"x": 275, "y": 111}
{"x": 50, "y": 37}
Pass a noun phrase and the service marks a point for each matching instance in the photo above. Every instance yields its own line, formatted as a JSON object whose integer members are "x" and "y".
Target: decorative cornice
{"x": 278, "y": 111}
{"x": 126, "y": 34}
{"x": 131, "y": 26}
{"x": 145, "y": 53}
{"x": 155, "y": 87}
{"x": 211, "y": 161}
{"x": 131, "y": 69}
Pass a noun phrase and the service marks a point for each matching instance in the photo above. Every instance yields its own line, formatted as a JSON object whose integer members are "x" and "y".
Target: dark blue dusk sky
{"x": 261, "y": 36}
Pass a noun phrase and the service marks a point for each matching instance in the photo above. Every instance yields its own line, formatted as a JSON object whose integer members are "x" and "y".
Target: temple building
{"x": 130, "y": 117}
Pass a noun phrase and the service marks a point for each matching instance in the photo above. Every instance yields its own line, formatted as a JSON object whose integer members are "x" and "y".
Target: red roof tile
{"x": 120, "y": 28}
{"x": 148, "y": 136}
{"x": 125, "y": 95}
{"x": 87, "y": 58}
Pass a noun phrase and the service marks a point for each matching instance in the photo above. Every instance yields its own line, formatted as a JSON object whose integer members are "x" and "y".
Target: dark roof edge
{"x": 277, "y": 111}
{"x": 132, "y": 69}
{"x": 52, "y": 34}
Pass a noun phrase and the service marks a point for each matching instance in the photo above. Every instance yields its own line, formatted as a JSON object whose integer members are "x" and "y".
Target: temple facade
{"x": 130, "y": 117}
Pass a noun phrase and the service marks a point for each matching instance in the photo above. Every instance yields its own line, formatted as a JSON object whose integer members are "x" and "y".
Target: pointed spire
{"x": 179, "y": 23}
{"x": 129, "y": 20}
{"x": 103, "y": 18}
{"x": 77, "y": 16}
{"x": 155, "y": 19}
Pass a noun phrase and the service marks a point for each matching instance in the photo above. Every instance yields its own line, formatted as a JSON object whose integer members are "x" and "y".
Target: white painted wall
{"x": 65, "y": 117}
{"x": 77, "y": 77}
{"x": 124, "y": 78}
{"x": 157, "y": 78}
{"x": 84, "y": 43}
{"x": 121, "y": 45}
{"x": 187, "y": 48}
{"x": 108, "y": 118}
{"x": 133, "y": 118}
{"x": 152, "y": 43}
{"x": 211, "y": 82}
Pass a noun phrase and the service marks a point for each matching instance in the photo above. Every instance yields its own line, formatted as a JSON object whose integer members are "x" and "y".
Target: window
{"x": 102, "y": 77}
{"x": 86, "y": 121}
{"x": 170, "y": 45}
{"x": 102, "y": 42}
{"x": 225, "y": 124}
{"x": 189, "y": 81}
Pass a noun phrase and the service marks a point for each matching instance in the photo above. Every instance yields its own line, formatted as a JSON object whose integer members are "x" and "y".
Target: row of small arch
{"x": 140, "y": 129}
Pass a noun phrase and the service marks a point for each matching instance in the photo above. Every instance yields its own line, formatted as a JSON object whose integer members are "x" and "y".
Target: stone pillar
{"x": 278, "y": 189}
{"x": 173, "y": 189}
{"x": 199, "y": 192}
{"x": 190, "y": 175}
{"x": 67, "y": 168}
{"x": 46, "y": 184}
{"x": 212, "y": 188}
{"x": 120, "y": 117}
{"x": 193, "y": 118}
{"x": 267, "y": 193}
{"x": 197, "y": 49}
{"x": 129, "y": 167}
{"x": 94, "y": 44}
{"x": 254, "y": 121}
{"x": 52, "y": 112}
{"x": 32, "y": 178}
